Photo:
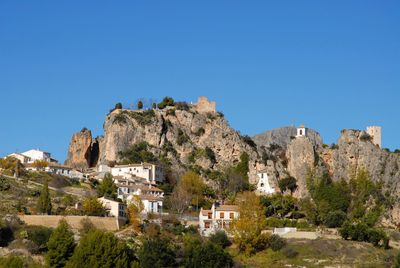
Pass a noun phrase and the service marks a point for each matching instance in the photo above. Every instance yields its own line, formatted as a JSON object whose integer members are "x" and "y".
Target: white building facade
{"x": 301, "y": 131}
{"x": 218, "y": 218}
{"x": 113, "y": 208}
{"x": 150, "y": 172}
{"x": 263, "y": 185}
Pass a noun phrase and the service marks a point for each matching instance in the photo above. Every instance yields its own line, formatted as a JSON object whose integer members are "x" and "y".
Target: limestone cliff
{"x": 282, "y": 137}
{"x": 176, "y": 132}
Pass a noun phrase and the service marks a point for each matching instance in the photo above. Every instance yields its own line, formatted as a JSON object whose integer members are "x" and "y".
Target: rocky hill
{"x": 186, "y": 135}
{"x": 196, "y": 136}
{"x": 282, "y": 137}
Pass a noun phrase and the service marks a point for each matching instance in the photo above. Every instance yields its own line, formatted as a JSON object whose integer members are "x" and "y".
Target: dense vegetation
{"x": 137, "y": 153}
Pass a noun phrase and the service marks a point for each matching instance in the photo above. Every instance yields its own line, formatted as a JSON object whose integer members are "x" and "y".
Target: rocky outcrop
{"x": 355, "y": 151}
{"x": 181, "y": 135}
{"x": 283, "y": 136}
{"x": 301, "y": 161}
{"x": 83, "y": 151}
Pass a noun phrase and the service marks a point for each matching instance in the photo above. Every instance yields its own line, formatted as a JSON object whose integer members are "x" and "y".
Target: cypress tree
{"x": 44, "y": 202}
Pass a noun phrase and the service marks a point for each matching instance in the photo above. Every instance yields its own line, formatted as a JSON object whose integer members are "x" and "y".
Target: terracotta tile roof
{"x": 150, "y": 197}
{"x": 141, "y": 187}
{"x": 134, "y": 165}
{"x": 227, "y": 208}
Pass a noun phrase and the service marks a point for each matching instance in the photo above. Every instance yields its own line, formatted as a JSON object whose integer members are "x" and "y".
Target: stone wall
{"x": 103, "y": 223}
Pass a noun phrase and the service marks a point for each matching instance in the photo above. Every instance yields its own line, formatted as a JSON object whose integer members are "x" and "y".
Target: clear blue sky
{"x": 328, "y": 64}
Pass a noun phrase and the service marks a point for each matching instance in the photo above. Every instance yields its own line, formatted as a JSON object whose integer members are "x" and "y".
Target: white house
{"x": 113, "y": 208}
{"x": 150, "y": 172}
{"x": 263, "y": 185}
{"x": 151, "y": 196}
{"x": 217, "y": 218}
{"x": 36, "y": 154}
{"x": 301, "y": 131}
{"x": 151, "y": 203}
{"x": 57, "y": 169}
{"x": 125, "y": 190}
{"x": 22, "y": 158}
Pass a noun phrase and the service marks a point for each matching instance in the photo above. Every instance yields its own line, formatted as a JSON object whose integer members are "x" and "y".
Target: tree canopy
{"x": 107, "y": 187}
{"x": 60, "y": 246}
{"x": 100, "y": 249}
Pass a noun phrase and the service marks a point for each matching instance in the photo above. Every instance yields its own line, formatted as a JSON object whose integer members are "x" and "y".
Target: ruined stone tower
{"x": 376, "y": 133}
{"x": 203, "y": 105}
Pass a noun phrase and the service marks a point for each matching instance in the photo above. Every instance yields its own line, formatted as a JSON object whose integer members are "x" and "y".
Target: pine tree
{"x": 100, "y": 249}
{"x": 44, "y": 202}
{"x": 60, "y": 245}
{"x": 107, "y": 187}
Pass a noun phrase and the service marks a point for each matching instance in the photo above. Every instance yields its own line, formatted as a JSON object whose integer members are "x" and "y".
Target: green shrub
{"x": 137, "y": 153}
{"x": 288, "y": 183}
{"x": 100, "y": 249}
{"x": 6, "y": 235}
{"x": 261, "y": 242}
{"x": 182, "y": 106}
{"x": 171, "y": 112}
{"x": 40, "y": 235}
{"x": 119, "y": 119}
{"x": 335, "y": 219}
{"x": 290, "y": 252}
{"x": 361, "y": 232}
{"x": 143, "y": 118}
{"x": 200, "y": 132}
{"x": 249, "y": 141}
{"x": 204, "y": 254}
{"x": 182, "y": 137}
{"x": 276, "y": 242}
{"x": 156, "y": 251}
{"x": 4, "y": 184}
{"x": 220, "y": 238}
{"x": 11, "y": 261}
{"x": 167, "y": 101}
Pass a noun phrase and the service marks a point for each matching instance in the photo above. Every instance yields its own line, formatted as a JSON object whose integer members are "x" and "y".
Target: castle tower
{"x": 376, "y": 133}
{"x": 203, "y": 105}
{"x": 301, "y": 131}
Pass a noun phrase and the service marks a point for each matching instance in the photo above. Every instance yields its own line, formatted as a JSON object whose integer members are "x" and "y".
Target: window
{"x": 210, "y": 215}
{"x": 231, "y": 215}
{"x": 207, "y": 225}
{"x": 301, "y": 132}
{"x": 221, "y": 215}
{"x": 262, "y": 175}
{"x": 262, "y": 184}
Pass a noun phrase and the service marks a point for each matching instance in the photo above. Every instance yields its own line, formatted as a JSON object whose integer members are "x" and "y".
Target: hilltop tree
{"x": 107, "y": 187}
{"x": 167, "y": 101}
{"x": 44, "y": 205}
{"x": 60, "y": 246}
{"x": 118, "y": 106}
{"x": 140, "y": 105}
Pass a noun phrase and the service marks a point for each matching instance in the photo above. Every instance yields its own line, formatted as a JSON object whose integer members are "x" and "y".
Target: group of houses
{"x": 31, "y": 159}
